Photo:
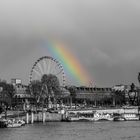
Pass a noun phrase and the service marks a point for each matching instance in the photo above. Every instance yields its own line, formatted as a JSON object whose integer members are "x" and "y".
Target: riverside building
{"x": 22, "y": 95}
{"x": 82, "y": 96}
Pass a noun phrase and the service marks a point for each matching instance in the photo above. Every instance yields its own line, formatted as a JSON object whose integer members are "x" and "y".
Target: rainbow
{"x": 69, "y": 62}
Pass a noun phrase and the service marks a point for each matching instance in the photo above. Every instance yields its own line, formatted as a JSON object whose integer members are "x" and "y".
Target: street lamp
{"x": 138, "y": 93}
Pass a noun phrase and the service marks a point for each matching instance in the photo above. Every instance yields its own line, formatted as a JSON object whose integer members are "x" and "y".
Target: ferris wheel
{"x": 47, "y": 65}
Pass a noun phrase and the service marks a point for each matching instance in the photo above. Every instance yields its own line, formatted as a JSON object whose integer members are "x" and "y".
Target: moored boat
{"x": 130, "y": 116}
{"x": 119, "y": 119}
{"x": 13, "y": 125}
{"x": 126, "y": 117}
{"x": 103, "y": 117}
{"x": 22, "y": 122}
{"x": 88, "y": 116}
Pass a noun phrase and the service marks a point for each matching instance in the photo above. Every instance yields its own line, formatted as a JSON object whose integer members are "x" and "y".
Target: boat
{"x": 22, "y": 122}
{"x": 103, "y": 117}
{"x": 89, "y": 116}
{"x": 118, "y": 117}
{"x": 13, "y": 123}
{"x": 80, "y": 116}
{"x": 126, "y": 117}
{"x": 130, "y": 116}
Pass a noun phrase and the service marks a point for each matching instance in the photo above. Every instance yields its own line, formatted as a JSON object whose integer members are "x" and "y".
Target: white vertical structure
{"x": 27, "y": 118}
{"x": 32, "y": 117}
{"x": 43, "y": 116}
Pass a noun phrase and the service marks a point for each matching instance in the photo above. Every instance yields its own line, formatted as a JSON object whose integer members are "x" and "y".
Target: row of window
{"x": 22, "y": 96}
{"x": 93, "y": 89}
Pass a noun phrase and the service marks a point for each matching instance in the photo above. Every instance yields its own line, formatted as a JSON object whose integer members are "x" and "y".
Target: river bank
{"x": 45, "y": 116}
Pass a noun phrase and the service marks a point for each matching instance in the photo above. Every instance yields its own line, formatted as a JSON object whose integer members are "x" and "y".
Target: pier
{"x": 42, "y": 117}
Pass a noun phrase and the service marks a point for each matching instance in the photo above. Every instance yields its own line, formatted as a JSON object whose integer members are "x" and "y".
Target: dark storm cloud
{"x": 104, "y": 34}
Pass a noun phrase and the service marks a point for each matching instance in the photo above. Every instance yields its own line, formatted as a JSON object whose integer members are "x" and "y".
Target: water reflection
{"x": 74, "y": 131}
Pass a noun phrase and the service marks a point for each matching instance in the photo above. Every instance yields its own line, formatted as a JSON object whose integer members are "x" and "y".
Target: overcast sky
{"x": 103, "y": 34}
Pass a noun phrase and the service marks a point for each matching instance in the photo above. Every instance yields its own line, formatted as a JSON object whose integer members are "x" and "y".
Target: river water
{"x": 74, "y": 131}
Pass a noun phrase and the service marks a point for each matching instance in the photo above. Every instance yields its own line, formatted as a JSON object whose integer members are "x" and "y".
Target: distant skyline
{"x": 103, "y": 34}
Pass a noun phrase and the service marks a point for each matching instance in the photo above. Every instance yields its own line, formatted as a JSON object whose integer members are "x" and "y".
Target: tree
{"x": 132, "y": 94}
{"x": 7, "y": 92}
{"x": 1, "y": 109}
{"x": 52, "y": 83}
{"x": 10, "y": 90}
{"x": 139, "y": 77}
{"x": 119, "y": 97}
{"x": 72, "y": 90}
{"x": 138, "y": 97}
{"x": 36, "y": 87}
{"x": 48, "y": 87}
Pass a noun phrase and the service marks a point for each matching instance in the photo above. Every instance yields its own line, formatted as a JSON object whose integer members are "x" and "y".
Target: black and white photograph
{"x": 69, "y": 70}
